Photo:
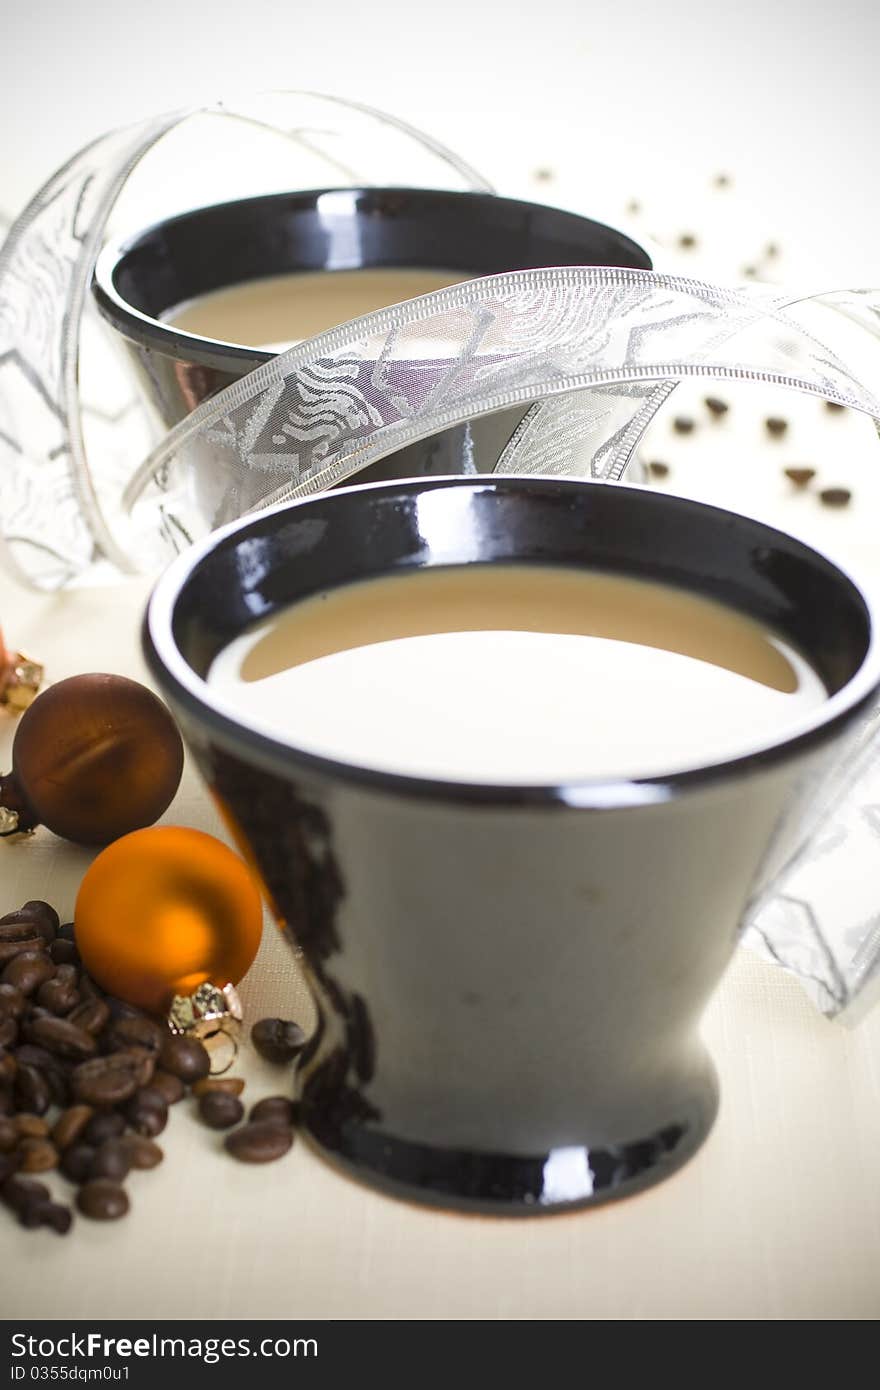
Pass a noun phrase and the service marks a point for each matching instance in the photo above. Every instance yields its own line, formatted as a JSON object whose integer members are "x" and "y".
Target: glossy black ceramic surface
{"x": 509, "y": 979}
{"x": 329, "y": 229}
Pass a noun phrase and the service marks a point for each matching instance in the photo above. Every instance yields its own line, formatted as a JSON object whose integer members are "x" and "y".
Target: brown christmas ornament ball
{"x": 94, "y": 757}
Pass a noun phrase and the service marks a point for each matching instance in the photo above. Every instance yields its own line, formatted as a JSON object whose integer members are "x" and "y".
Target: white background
{"x": 638, "y": 99}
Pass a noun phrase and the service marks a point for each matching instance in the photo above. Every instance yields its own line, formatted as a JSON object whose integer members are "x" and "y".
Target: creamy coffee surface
{"x": 279, "y": 310}
{"x": 516, "y": 674}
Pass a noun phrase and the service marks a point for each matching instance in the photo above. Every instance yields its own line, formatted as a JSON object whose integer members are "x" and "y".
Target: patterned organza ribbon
{"x": 588, "y": 355}
{"x": 69, "y": 429}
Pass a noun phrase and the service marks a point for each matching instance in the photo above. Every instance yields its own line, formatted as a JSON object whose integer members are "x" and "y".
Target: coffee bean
{"x": 220, "y": 1110}
{"x": 31, "y": 1055}
{"x": 277, "y": 1039}
{"x": 171, "y": 1088}
{"x": 60, "y": 995}
{"x": 8, "y": 1032}
{"x": 7, "y": 1100}
{"x": 67, "y": 932}
{"x": 184, "y": 1057}
{"x": 800, "y": 476}
{"x": 104, "y": 1125}
{"x": 145, "y": 1063}
{"x": 69, "y": 1126}
{"x": 106, "y": 1081}
{"x": 28, "y": 970}
{"x": 151, "y": 1097}
{"x": 18, "y": 937}
{"x": 17, "y": 1192}
{"x": 37, "y": 1155}
{"x": 776, "y": 426}
{"x": 76, "y": 1162}
{"x": 259, "y": 1143}
{"x": 30, "y": 1214}
{"x": 147, "y": 1112}
{"x": 658, "y": 469}
{"x": 31, "y": 1090}
{"x": 8, "y": 1067}
{"x": 91, "y": 1015}
{"x": 12, "y": 1002}
{"x": 120, "y": 1008}
{"x": 31, "y": 1126}
{"x": 835, "y": 496}
{"x": 8, "y": 1134}
{"x": 87, "y": 987}
{"x": 64, "y": 952}
{"x": 233, "y": 1085}
{"x": 54, "y": 1070}
{"x": 37, "y": 922}
{"x": 135, "y": 1030}
{"x": 716, "y": 406}
{"x": 102, "y": 1200}
{"x": 683, "y": 424}
{"x": 687, "y": 241}
{"x": 20, "y": 918}
{"x": 8, "y": 1164}
{"x": 52, "y": 1214}
{"x": 111, "y": 1161}
{"x": 61, "y": 1037}
{"x": 142, "y": 1152}
{"x": 147, "y": 1120}
{"x": 277, "y": 1110}
{"x": 44, "y": 917}
{"x": 11, "y": 918}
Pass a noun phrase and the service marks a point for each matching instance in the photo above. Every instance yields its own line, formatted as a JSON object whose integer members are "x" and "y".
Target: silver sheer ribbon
{"x": 588, "y": 355}
{"x": 60, "y": 501}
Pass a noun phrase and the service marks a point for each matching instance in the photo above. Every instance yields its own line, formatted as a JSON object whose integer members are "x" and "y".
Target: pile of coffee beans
{"x": 86, "y": 1081}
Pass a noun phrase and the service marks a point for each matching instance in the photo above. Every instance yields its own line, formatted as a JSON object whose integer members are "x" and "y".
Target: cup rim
{"x": 184, "y": 687}
{"x": 143, "y": 328}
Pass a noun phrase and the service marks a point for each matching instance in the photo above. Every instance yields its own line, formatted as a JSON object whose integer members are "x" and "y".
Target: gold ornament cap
{"x": 20, "y": 681}
{"x": 8, "y": 822}
{"x": 213, "y": 1016}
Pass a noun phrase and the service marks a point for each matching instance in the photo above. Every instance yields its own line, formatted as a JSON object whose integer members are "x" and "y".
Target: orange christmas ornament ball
{"x": 165, "y": 910}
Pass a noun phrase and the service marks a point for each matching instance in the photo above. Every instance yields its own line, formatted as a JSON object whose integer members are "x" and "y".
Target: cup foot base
{"x": 563, "y": 1179}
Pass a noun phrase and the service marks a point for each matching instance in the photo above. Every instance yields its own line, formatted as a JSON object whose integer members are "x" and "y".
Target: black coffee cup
{"x": 509, "y": 980}
{"x": 140, "y": 281}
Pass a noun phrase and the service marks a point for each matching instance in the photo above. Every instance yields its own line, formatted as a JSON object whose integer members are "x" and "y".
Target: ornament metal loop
{"x": 214, "y": 1017}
